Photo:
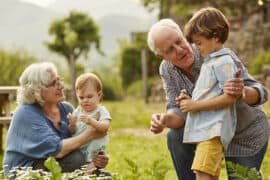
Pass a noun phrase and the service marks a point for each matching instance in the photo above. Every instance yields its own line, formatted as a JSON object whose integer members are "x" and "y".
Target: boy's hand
{"x": 187, "y": 105}
{"x": 183, "y": 95}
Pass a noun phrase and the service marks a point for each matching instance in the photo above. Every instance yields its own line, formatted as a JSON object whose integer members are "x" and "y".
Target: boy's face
{"x": 88, "y": 98}
{"x": 206, "y": 46}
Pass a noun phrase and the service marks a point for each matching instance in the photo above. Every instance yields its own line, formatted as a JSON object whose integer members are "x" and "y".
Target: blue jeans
{"x": 182, "y": 155}
{"x": 250, "y": 161}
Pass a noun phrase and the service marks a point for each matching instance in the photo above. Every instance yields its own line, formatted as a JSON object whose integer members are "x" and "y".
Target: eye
{"x": 89, "y": 96}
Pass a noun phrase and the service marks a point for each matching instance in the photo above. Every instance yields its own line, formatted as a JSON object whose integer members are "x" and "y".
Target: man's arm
{"x": 159, "y": 121}
{"x": 174, "y": 117}
{"x": 256, "y": 93}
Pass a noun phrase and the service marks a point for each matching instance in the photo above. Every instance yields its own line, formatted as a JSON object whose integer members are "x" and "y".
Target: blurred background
{"x": 108, "y": 37}
{"x": 117, "y": 49}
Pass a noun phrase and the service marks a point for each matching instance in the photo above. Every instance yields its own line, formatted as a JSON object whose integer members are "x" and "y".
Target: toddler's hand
{"x": 84, "y": 118}
{"x": 72, "y": 119}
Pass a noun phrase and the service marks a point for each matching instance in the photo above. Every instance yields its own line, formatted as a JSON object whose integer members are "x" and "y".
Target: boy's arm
{"x": 218, "y": 102}
{"x": 101, "y": 126}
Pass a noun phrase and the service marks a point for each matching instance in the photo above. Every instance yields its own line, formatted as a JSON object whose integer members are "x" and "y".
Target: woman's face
{"x": 53, "y": 93}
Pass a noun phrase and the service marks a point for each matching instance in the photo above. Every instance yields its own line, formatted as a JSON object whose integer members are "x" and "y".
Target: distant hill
{"x": 26, "y": 25}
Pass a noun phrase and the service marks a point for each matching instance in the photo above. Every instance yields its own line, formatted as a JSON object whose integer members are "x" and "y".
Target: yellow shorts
{"x": 208, "y": 157}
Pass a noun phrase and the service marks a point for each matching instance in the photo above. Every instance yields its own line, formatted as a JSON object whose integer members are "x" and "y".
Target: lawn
{"x": 137, "y": 154}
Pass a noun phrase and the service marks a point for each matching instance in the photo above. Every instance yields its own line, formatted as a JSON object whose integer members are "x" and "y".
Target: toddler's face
{"x": 88, "y": 98}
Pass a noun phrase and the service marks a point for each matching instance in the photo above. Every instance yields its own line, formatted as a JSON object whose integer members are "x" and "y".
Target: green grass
{"x": 131, "y": 140}
{"x": 143, "y": 147}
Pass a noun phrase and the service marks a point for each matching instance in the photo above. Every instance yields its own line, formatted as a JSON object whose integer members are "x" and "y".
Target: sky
{"x": 42, "y": 3}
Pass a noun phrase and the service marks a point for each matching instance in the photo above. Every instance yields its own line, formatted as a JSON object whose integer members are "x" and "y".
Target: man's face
{"x": 174, "y": 48}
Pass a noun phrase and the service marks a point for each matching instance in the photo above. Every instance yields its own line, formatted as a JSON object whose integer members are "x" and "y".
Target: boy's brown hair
{"x": 91, "y": 78}
{"x": 208, "y": 22}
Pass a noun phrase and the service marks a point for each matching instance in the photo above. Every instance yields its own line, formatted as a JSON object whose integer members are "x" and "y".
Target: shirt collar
{"x": 221, "y": 52}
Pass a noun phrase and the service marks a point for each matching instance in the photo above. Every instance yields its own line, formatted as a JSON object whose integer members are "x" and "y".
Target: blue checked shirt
{"x": 252, "y": 129}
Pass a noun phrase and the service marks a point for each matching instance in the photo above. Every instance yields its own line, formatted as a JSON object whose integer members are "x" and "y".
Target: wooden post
{"x": 144, "y": 56}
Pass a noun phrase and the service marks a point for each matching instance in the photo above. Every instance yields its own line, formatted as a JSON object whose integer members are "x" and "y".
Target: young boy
{"x": 211, "y": 120}
{"x": 90, "y": 113}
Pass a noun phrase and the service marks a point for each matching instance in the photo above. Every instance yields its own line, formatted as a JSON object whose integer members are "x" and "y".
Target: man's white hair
{"x": 34, "y": 78}
{"x": 155, "y": 27}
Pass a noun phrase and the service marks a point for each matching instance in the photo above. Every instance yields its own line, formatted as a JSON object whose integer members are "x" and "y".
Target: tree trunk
{"x": 72, "y": 79}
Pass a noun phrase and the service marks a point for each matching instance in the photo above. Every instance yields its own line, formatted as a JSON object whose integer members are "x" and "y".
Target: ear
{"x": 100, "y": 94}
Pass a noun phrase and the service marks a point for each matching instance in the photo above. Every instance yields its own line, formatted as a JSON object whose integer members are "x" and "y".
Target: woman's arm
{"x": 73, "y": 143}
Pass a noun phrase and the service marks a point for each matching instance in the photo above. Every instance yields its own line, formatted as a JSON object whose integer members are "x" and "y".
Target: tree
{"x": 182, "y": 10}
{"x": 12, "y": 65}
{"x": 72, "y": 37}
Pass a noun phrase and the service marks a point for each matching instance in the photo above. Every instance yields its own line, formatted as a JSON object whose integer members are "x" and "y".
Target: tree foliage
{"x": 12, "y": 65}
{"x": 131, "y": 66}
{"x": 72, "y": 37}
{"x": 182, "y": 10}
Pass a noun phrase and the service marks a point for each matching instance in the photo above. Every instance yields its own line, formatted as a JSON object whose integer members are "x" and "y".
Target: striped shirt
{"x": 252, "y": 130}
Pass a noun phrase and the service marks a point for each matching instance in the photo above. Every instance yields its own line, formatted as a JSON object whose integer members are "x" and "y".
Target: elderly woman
{"x": 40, "y": 128}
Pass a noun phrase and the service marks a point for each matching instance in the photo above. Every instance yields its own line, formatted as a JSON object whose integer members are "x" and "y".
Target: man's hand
{"x": 157, "y": 123}
{"x": 235, "y": 86}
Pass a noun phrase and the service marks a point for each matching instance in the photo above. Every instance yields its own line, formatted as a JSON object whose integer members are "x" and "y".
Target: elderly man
{"x": 179, "y": 70}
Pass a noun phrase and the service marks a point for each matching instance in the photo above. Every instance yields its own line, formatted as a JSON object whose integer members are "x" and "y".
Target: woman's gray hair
{"x": 34, "y": 78}
{"x": 152, "y": 32}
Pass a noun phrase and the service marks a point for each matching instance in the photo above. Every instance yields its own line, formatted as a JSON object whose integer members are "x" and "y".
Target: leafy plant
{"x": 240, "y": 172}
{"x": 52, "y": 165}
{"x": 133, "y": 168}
{"x": 156, "y": 171}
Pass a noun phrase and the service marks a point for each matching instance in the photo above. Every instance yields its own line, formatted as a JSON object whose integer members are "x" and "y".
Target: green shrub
{"x": 256, "y": 65}
{"x": 136, "y": 88}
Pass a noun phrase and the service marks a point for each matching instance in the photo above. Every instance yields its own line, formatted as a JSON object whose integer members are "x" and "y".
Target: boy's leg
{"x": 250, "y": 161}
{"x": 182, "y": 154}
{"x": 208, "y": 157}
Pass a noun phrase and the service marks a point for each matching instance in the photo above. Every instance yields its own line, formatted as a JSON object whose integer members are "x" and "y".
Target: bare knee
{"x": 204, "y": 176}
